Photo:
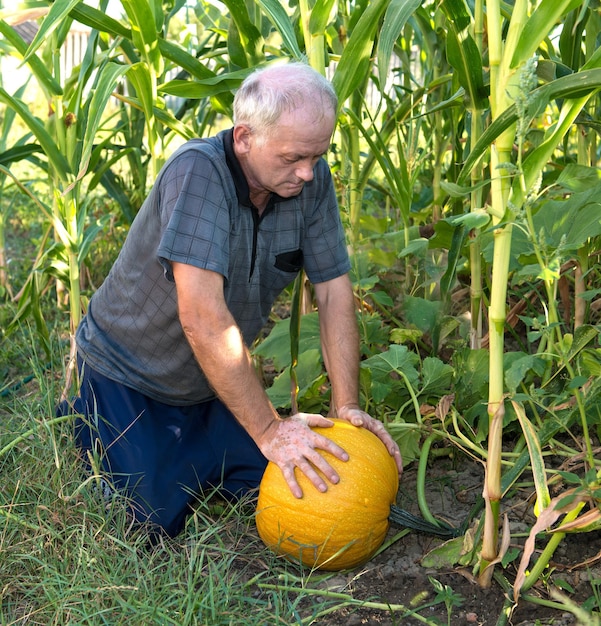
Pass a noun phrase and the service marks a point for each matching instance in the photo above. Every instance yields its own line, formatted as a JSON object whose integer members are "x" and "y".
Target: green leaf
{"x": 250, "y": 38}
{"x": 54, "y": 18}
{"x": 276, "y": 13}
{"x": 573, "y": 86}
{"x": 576, "y": 177}
{"x": 276, "y": 345}
{"x": 436, "y": 376}
{"x": 396, "y": 16}
{"x": 422, "y": 313}
{"x": 308, "y": 370}
{"x": 206, "y": 87}
{"x": 321, "y": 15}
{"x": 108, "y": 77}
{"x": 463, "y": 53}
{"x": 538, "y": 27}
{"x": 52, "y": 151}
{"x": 146, "y": 22}
{"x": 355, "y": 60}
{"x": 37, "y": 67}
{"x": 543, "y": 498}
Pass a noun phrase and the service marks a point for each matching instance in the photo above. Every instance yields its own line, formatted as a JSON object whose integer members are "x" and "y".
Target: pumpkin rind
{"x": 342, "y": 527}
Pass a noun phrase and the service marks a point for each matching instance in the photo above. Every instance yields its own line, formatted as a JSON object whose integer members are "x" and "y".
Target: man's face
{"x": 283, "y": 161}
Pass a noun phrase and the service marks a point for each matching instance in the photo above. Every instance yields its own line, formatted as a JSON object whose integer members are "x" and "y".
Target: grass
{"x": 69, "y": 557}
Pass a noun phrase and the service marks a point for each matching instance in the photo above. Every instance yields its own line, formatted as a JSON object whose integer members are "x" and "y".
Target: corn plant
{"x": 515, "y": 100}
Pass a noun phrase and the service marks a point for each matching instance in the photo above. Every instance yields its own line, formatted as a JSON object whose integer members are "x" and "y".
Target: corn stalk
{"x": 510, "y": 69}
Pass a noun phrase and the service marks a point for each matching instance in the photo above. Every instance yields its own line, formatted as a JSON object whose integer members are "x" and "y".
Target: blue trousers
{"x": 163, "y": 457}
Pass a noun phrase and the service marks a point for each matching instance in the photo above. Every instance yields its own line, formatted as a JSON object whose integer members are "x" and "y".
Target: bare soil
{"x": 398, "y": 577}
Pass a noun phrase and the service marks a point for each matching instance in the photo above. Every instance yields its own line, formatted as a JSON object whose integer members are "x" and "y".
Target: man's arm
{"x": 340, "y": 348}
{"x": 219, "y": 348}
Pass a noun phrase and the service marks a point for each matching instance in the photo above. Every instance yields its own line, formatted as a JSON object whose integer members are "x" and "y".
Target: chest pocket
{"x": 289, "y": 261}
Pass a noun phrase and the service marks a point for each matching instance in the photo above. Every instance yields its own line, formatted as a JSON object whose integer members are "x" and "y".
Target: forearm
{"x": 340, "y": 345}
{"x": 226, "y": 362}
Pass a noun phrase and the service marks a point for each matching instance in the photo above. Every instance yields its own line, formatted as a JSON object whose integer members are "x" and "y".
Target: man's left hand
{"x": 357, "y": 417}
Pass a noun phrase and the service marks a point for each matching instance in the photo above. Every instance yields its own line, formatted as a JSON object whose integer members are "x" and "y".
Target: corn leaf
{"x": 463, "y": 53}
{"x": 250, "y": 38}
{"x": 543, "y": 498}
{"x": 108, "y": 78}
{"x": 572, "y": 86}
{"x": 279, "y": 18}
{"x": 354, "y": 62}
{"x": 49, "y": 146}
{"x": 546, "y": 16}
{"x": 145, "y": 29}
{"x": 38, "y": 68}
{"x": 53, "y": 20}
{"x": 395, "y": 18}
{"x": 321, "y": 16}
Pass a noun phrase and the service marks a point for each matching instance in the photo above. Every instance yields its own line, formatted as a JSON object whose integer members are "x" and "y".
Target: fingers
{"x": 357, "y": 417}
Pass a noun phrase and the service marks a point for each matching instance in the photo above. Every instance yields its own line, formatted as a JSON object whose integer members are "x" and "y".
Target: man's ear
{"x": 242, "y": 138}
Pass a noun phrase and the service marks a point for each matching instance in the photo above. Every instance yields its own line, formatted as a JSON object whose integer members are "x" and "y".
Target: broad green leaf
{"x": 396, "y": 16}
{"x": 105, "y": 85}
{"x": 54, "y": 18}
{"x": 250, "y": 38}
{"x": 38, "y": 68}
{"x": 570, "y": 223}
{"x": 355, "y": 60}
{"x": 546, "y": 16}
{"x": 308, "y": 370}
{"x": 519, "y": 367}
{"x": 321, "y": 15}
{"x": 145, "y": 31}
{"x": 576, "y": 177}
{"x": 396, "y": 358}
{"x": 543, "y": 498}
{"x": 463, "y": 53}
{"x": 275, "y": 11}
{"x": 52, "y": 151}
{"x": 436, "y": 376}
{"x": 422, "y": 313}
{"x": 276, "y": 345}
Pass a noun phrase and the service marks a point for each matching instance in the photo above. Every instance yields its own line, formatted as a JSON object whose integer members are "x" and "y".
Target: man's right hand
{"x": 291, "y": 443}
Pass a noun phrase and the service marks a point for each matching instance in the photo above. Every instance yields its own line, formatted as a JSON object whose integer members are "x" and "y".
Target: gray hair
{"x": 268, "y": 93}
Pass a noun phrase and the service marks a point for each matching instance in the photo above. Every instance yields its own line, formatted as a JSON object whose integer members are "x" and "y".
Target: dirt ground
{"x": 397, "y": 575}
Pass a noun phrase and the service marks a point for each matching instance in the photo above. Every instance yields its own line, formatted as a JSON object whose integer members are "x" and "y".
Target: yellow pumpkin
{"x": 344, "y": 526}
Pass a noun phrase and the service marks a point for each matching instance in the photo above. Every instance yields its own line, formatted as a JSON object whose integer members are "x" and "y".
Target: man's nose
{"x": 305, "y": 172}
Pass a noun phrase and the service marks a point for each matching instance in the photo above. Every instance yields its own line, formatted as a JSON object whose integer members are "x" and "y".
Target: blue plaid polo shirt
{"x": 199, "y": 212}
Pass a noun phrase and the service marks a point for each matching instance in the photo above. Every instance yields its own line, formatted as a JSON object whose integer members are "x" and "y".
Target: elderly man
{"x": 169, "y": 397}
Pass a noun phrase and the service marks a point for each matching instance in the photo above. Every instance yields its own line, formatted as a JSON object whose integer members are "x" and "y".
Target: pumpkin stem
{"x": 400, "y": 517}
